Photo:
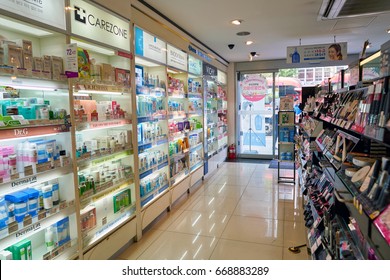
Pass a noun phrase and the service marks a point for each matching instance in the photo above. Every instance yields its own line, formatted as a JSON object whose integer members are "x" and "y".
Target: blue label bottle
{"x": 296, "y": 58}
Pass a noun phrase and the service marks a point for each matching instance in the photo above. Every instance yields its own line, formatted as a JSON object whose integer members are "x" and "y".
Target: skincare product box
{"x": 21, "y": 250}
{"x": 19, "y": 201}
{"x": 57, "y": 67}
{"x": 107, "y": 72}
{"x": 88, "y": 218}
{"x": 38, "y": 63}
{"x": 26, "y": 45}
{"x": 121, "y": 200}
{"x": 46, "y": 72}
{"x": 1, "y": 56}
{"x": 13, "y": 55}
{"x": 33, "y": 201}
{"x": 61, "y": 232}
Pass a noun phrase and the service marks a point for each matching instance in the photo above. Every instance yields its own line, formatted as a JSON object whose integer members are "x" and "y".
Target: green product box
{"x": 21, "y": 250}
{"x": 121, "y": 200}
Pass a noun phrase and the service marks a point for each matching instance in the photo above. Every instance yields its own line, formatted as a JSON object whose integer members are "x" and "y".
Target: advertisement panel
{"x": 176, "y": 58}
{"x": 48, "y": 12}
{"x": 317, "y": 53}
{"x": 149, "y": 46}
{"x": 96, "y": 24}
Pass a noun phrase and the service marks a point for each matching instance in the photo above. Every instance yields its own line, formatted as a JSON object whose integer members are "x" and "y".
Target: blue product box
{"x": 33, "y": 201}
{"x": 19, "y": 199}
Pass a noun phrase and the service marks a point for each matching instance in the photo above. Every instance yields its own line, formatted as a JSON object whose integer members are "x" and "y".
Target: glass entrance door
{"x": 256, "y": 115}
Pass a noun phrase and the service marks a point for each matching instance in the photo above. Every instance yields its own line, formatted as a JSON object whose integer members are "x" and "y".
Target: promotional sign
{"x": 221, "y": 77}
{"x": 70, "y": 61}
{"x": 48, "y": 12}
{"x": 254, "y": 88}
{"x": 149, "y": 46}
{"x": 317, "y": 53}
{"x": 96, "y": 24}
{"x": 176, "y": 58}
{"x": 209, "y": 70}
{"x": 194, "y": 65}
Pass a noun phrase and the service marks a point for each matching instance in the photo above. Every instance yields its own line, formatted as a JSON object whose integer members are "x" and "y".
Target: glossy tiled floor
{"x": 240, "y": 212}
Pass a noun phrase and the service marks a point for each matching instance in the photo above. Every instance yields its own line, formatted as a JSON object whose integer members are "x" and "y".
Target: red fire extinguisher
{"x": 232, "y": 151}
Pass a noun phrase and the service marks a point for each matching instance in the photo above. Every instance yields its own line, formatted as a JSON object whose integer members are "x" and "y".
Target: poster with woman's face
{"x": 317, "y": 53}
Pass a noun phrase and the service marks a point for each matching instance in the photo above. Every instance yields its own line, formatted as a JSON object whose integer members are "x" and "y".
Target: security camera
{"x": 253, "y": 53}
{"x": 231, "y": 46}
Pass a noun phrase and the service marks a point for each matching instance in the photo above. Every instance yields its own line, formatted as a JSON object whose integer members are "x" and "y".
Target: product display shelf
{"x": 36, "y": 190}
{"x": 179, "y": 124}
{"x": 153, "y": 137}
{"x": 352, "y": 225}
{"x": 102, "y": 113}
{"x": 222, "y": 117}
{"x": 286, "y": 144}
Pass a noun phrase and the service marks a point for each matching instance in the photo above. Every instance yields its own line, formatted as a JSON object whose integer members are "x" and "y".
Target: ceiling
{"x": 274, "y": 25}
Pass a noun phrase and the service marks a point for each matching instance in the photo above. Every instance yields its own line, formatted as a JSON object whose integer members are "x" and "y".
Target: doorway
{"x": 256, "y": 115}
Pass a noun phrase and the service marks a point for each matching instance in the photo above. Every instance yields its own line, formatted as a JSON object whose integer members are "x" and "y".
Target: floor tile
{"x": 202, "y": 223}
{"x": 257, "y": 230}
{"x": 179, "y": 246}
{"x": 260, "y": 209}
{"x": 294, "y": 233}
{"x": 166, "y": 219}
{"x": 137, "y": 248}
{"x": 221, "y": 205}
{"x": 238, "y": 250}
{"x": 231, "y": 180}
{"x": 261, "y": 194}
{"x": 224, "y": 190}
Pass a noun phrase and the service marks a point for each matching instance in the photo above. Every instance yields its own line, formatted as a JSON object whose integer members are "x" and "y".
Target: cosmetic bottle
{"x": 47, "y": 193}
{"x": 62, "y": 157}
{"x": 56, "y": 193}
{"x": 50, "y": 156}
{"x": 49, "y": 239}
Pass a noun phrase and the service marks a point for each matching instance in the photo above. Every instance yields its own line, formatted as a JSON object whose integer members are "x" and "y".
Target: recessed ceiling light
{"x": 237, "y": 21}
{"x": 243, "y": 33}
{"x": 388, "y": 30}
{"x": 248, "y": 43}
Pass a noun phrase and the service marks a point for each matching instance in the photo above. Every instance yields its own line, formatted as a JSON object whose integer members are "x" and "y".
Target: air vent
{"x": 333, "y": 9}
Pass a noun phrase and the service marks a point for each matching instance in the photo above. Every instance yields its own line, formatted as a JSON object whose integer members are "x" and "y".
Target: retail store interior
{"x": 236, "y": 130}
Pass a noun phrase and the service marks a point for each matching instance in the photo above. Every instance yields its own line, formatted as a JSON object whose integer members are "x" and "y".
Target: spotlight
{"x": 248, "y": 43}
{"x": 237, "y": 21}
{"x": 231, "y": 46}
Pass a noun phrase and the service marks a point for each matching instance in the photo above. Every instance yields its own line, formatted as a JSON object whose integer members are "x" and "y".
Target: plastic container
{"x": 20, "y": 200}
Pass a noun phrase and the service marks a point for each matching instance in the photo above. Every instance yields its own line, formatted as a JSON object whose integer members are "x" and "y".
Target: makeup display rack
{"x": 345, "y": 175}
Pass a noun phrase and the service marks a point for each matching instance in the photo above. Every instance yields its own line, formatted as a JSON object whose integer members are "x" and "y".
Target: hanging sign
{"x": 317, "y": 53}
{"x": 96, "y": 24}
{"x": 254, "y": 88}
{"x": 176, "y": 58}
{"x": 149, "y": 46}
{"x": 209, "y": 70}
{"x": 194, "y": 65}
{"x": 48, "y": 12}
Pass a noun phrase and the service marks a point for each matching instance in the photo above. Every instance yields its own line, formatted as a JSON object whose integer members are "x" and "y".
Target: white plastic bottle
{"x": 49, "y": 239}
{"x": 47, "y": 193}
